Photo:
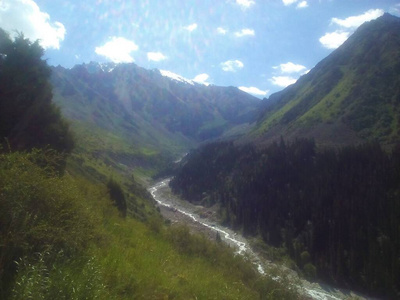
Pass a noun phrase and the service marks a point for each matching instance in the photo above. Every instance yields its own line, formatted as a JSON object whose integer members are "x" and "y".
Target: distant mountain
{"x": 353, "y": 95}
{"x": 150, "y": 110}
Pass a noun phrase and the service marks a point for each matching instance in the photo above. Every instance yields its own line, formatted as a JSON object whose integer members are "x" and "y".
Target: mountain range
{"x": 128, "y": 113}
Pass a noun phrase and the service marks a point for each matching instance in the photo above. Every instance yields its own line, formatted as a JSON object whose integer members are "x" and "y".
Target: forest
{"x": 336, "y": 212}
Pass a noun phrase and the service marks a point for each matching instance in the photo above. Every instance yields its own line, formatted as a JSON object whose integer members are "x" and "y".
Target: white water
{"x": 241, "y": 246}
{"x": 315, "y": 291}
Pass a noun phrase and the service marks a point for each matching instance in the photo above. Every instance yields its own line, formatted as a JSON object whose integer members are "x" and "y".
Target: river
{"x": 171, "y": 205}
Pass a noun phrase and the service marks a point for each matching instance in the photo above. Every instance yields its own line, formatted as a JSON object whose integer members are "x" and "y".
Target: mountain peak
{"x": 351, "y": 96}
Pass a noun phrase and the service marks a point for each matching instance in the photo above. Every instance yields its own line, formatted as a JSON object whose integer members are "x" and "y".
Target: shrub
{"x": 38, "y": 211}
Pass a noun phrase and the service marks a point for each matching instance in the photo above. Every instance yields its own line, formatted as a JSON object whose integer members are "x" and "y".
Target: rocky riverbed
{"x": 204, "y": 220}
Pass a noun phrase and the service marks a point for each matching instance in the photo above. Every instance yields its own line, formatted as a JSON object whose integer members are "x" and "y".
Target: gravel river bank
{"x": 202, "y": 220}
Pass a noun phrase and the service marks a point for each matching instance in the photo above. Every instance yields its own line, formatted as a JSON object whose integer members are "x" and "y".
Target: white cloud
{"x": 289, "y": 2}
{"x": 395, "y": 10}
{"x": 245, "y": 3}
{"x": 334, "y": 39}
{"x": 118, "y": 50}
{"x": 155, "y": 56}
{"x": 191, "y": 27}
{"x": 282, "y": 81}
{"x": 25, "y": 16}
{"x": 302, "y": 4}
{"x": 290, "y": 68}
{"x": 221, "y": 30}
{"x": 202, "y": 78}
{"x": 232, "y": 65}
{"x": 244, "y": 32}
{"x": 355, "y": 21}
{"x": 253, "y": 90}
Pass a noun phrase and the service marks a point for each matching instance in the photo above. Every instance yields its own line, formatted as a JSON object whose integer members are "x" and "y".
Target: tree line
{"x": 335, "y": 211}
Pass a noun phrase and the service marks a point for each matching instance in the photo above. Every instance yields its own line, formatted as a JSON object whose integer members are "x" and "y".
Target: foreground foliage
{"x": 28, "y": 118}
{"x": 336, "y": 212}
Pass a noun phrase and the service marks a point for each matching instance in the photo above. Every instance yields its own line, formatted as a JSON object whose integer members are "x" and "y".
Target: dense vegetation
{"x": 61, "y": 238}
{"x": 336, "y": 212}
{"x": 28, "y": 118}
{"x": 77, "y": 234}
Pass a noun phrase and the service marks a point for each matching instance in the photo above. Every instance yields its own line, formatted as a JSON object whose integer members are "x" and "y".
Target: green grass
{"x": 328, "y": 108}
{"x": 65, "y": 240}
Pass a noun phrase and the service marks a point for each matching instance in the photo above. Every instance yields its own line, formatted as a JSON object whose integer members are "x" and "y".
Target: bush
{"x": 38, "y": 211}
{"x": 117, "y": 196}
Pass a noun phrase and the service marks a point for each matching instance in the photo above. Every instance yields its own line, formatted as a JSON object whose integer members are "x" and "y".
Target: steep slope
{"x": 144, "y": 113}
{"x": 333, "y": 210}
{"x": 351, "y": 96}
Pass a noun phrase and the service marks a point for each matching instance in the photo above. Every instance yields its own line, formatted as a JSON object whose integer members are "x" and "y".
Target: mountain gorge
{"x": 155, "y": 111}
{"x": 312, "y": 173}
{"x": 351, "y": 96}
{"x": 72, "y": 224}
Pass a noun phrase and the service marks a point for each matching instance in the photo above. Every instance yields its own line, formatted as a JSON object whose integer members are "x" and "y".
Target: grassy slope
{"x": 82, "y": 249}
{"x": 354, "y": 90}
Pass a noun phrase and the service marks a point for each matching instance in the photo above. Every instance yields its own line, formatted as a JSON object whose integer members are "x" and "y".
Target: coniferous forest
{"x": 335, "y": 211}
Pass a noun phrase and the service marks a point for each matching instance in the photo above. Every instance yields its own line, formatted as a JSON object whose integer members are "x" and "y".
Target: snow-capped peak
{"x": 176, "y": 77}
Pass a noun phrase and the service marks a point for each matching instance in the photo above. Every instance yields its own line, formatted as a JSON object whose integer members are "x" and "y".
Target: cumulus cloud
{"x": 355, "y": 21}
{"x": 253, "y": 90}
{"x": 232, "y": 65}
{"x": 155, "y": 56}
{"x": 25, "y": 16}
{"x": 245, "y": 3}
{"x": 191, "y": 27}
{"x": 118, "y": 50}
{"x": 282, "y": 81}
{"x": 302, "y": 4}
{"x": 245, "y": 32}
{"x": 290, "y": 68}
{"x": 202, "y": 78}
{"x": 221, "y": 30}
{"x": 333, "y": 40}
{"x": 289, "y": 2}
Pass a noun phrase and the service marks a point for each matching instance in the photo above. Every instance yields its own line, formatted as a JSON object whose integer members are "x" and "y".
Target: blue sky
{"x": 260, "y": 46}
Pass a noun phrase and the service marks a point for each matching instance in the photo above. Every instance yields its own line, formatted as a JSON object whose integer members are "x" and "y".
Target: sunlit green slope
{"x": 352, "y": 95}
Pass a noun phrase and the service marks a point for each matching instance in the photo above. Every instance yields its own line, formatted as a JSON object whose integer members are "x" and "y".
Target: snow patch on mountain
{"x": 176, "y": 77}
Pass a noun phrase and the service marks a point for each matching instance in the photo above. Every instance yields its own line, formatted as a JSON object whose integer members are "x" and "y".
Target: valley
{"x": 180, "y": 211}
{"x": 272, "y": 198}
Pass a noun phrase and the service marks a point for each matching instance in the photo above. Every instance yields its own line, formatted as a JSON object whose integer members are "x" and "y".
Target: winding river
{"x": 312, "y": 290}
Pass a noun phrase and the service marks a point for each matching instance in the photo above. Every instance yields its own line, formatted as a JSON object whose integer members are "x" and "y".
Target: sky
{"x": 260, "y": 46}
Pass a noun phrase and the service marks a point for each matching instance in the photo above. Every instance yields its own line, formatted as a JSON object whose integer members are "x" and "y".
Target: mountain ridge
{"x": 349, "y": 97}
{"x": 140, "y": 111}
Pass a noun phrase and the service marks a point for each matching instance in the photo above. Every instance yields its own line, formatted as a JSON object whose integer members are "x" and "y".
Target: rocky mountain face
{"x": 351, "y": 96}
{"x": 152, "y": 110}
